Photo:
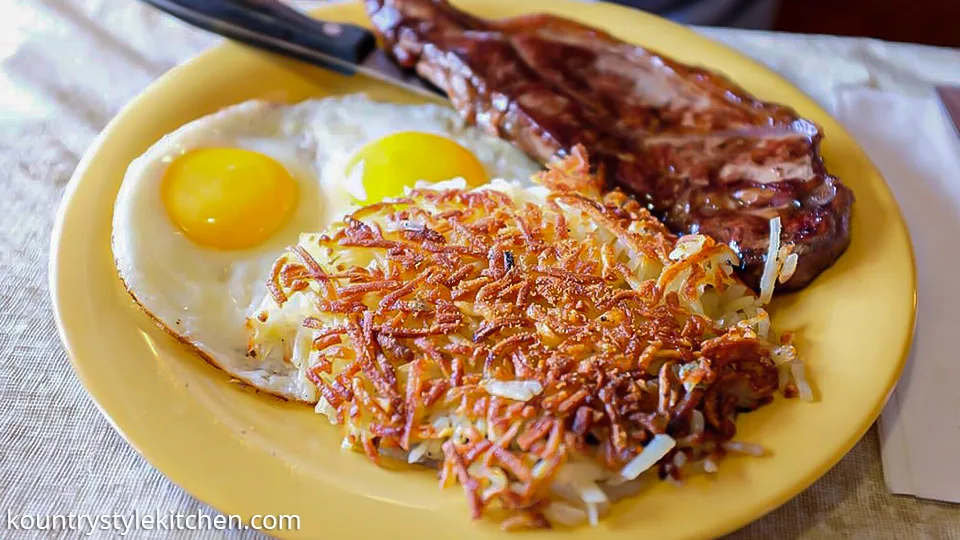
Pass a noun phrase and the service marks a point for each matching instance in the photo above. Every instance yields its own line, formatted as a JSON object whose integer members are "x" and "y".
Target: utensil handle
{"x": 276, "y": 27}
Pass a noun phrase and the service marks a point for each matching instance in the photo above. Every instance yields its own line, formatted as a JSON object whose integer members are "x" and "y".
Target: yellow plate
{"x": 248, "y": 454}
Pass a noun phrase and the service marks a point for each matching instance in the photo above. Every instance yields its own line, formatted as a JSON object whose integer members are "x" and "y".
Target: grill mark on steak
{"x": 702, "y": 153}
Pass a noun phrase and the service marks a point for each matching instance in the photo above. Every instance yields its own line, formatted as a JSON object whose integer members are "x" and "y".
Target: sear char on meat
{"x": 705, "y": 156}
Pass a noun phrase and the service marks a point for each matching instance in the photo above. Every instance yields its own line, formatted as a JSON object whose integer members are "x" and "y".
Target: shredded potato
{"x": 545, "y": 347}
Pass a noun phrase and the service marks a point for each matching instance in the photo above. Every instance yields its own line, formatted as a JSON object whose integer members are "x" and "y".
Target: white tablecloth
{"x": 66, "y": 67}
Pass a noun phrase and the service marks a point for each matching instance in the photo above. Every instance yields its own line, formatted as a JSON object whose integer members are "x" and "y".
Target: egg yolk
{"x": 227, "y": 198}
{"x": 401, "y": 159}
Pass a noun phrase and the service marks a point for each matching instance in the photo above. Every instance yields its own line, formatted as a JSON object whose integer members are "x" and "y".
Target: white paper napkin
{"x": 913, "y": 143}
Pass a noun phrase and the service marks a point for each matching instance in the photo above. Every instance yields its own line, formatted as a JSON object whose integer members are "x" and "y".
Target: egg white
{"x": 204, "y": 296}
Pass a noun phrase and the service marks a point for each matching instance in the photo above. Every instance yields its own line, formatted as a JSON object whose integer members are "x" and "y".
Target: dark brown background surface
{"x": 934, "y": 22}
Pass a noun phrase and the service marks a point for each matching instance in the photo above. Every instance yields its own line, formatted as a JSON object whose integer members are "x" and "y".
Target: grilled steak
{"x": 703, "y": 154}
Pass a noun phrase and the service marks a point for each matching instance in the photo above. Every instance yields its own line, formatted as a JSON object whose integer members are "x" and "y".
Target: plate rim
{"x": 732, "y": 523}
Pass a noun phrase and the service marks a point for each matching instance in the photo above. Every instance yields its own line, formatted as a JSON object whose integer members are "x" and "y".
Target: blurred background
{"x": 933, "y": 22}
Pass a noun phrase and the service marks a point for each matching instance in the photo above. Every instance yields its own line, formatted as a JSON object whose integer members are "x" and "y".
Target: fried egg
{"x": 203, "y": 214}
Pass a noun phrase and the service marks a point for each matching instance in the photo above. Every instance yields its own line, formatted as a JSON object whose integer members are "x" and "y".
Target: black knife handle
{"x": 274, "y": 26}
